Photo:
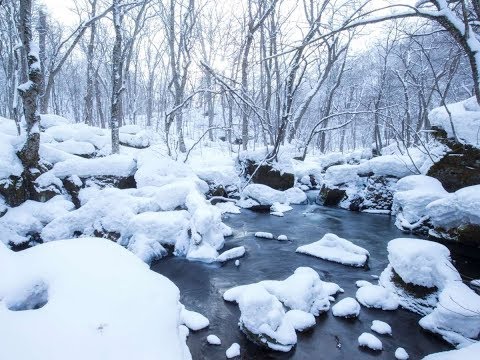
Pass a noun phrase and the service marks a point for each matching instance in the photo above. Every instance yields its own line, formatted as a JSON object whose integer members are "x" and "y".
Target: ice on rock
{"x": 233, "y": 351}
{"x": 347, "y": 307}
{"x": 401, "y": 354}
{"x": 375, "y": 296}
{"x": 469, "y": 352}
{"x": 282, "y": 238}
{"x": 262, "y": 234}
{"x": 334, "y": 248}
{"x": 233, "y": 253}
{"x": 97, "y": 291}
{"x": 263, "y": 317}
{"x": 457, "y": 315}
{"x": 381, "y": 327}
{"x": 413, "y": 194}
{"x": 362, "y": 283}
{"x": 370, "y": 341}
{"x": 213, "y": 340}
{"x": 193, "y": 320}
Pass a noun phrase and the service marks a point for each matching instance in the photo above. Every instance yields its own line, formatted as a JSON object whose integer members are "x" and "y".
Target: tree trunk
{"x": 88, "y": 106}
{"x": 117, "y": 77}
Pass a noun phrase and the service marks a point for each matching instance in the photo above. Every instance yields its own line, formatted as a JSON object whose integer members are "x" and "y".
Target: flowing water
{"x": 202, "y": 285}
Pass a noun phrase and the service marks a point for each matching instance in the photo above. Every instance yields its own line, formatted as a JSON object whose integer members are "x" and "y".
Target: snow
{"x": 10, "y": 164}
{"x": 100, "y": 138}
{"x": 381, "y": 327}
{"x": 465, "y": 117}
{"x": 279, "y": 208}
{"x": 401, "y": 354}
{"x": 421, "y": 262}
{"x": 228, "y": 207}
{"x": 96, "y": 294}
{"x": 347, "y": 307}
{"x": 233, "y": 253}
{"x": 295, "y": 196}
{"x": 232, "y": 351}
{"x": 193, "y": 320}
{"x": 49, "y": 120}
{"x": 370, "y": 341}
{"x": 413, "y": 194}
{"x": 237, "y": 262}
{"x": 282, "y": 238}
{"x": 264, "y": 194}
{"x": 387, "y": 165}
{"x": 262, "y": 306}
{"x": 361, "y": 283}
{"x": 30, "y": 217}
{"x": 333, "y": 248}
{"x": 469, "y": 352}
{"x": 459, "y": 208}
{"x": 457, "y": 315}
{"x": 374, "y": 296}
{"x": 265, "y": 235}
{"x": 75, "y": 147}
{"x": 213, "y": 340}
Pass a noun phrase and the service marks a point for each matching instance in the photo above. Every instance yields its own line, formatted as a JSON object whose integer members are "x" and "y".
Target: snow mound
{"x": 370, "y": 341}
{"x": 263, "y": 318}
{"x": 336, "y": 249}
{"x": 374, "y": 296}
{"x": 381, "y": 327}
{"x": 99, "y": 138}
{"x": 282, "y": 238}
{"x": 347, "y": 307}
{"x": 82, "y": 284}
{"x": 73, "y": 147}
{"x": 193, "y": 320}
{"x": 362, "y": 283}
{"x": 49, "y": 120}
{"x": 266, "y": 196}
{"x": 264, "y": 235}
{"x": 228, "y": 207}
{"x": 465, "y": 116}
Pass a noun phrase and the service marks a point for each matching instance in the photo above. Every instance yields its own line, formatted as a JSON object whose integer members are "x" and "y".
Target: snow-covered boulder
{"x": 263, "y": 318}
{"x": 347, "y": 308}
{"x": 75, "y": 291}
{"x": 49, "y": 120}
{"x": 377, "y": 297}
{"x": 232, "y": 253}
{"x": 457, "y": 216}
{"x": 469, "y": 352}
{"x": 99, "y": 138}
{"x": 333, "y": 248}
{"x": 370, "y": 341}
{"x": 263, "y": 194}
{"x": 413, "y": 194}
{"x": 381, "y": 327}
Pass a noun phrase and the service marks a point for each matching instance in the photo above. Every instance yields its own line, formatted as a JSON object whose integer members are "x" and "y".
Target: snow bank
{"x": 99, "y": 138}
{"x": 263, "y": 317}
{"x": 334, "y": 248}
{"x": 465, "y": 116}
{"x": 82, "y": 284}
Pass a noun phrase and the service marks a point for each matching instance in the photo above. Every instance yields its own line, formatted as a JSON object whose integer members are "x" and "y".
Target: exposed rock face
{"x": 460, "y": 167}
{"x": 13, "y": 190}
{"x": 269, "y": 176}
{"x": 330, "y": 196}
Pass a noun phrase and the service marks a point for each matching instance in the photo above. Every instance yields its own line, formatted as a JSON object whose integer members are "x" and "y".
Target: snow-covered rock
{"x": 264, "y": 235}
{"x": 413, "y": 194}
{"x": 374, "y": 296}
{"x": 193, "y": 320}
{"x": 381, "y": 327}
{"x": 263, "y": 318}
{"x": 347, "y": 307}
{"x": 75, "y": 291}
{"x": 263, "y": 194}
{"x": 334, "y": 248}
{"x": 370, "y": 341}
{"x": 233, "y": 253}
{"x": 50, "y": 120}
{"x": 282, "y": 238}
{"x": 465, "y": 116}
{"x": 401, "y": 354}
{"x": 361, "y": 283}
{"x": 279, "y": 208}
{"x": 233, "y": 351}
{"x": 469, "y": 352}
{"x": 213, "y": 340}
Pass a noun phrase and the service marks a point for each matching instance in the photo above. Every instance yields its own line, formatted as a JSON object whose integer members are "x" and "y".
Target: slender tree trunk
{"x": 88, "y": 105}
{"x": 117, "y": 77}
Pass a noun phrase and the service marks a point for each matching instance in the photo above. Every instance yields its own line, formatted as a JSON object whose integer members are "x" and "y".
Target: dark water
{"x": 202, "y": 285}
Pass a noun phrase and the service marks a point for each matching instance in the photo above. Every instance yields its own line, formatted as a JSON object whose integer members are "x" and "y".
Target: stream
{"x": 202, "y": 285}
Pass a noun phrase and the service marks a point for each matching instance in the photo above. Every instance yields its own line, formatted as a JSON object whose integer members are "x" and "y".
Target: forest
{"x": 201, "y": 179}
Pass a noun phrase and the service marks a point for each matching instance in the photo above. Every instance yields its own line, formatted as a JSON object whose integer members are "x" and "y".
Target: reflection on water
{"x": 202, "y": 285}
